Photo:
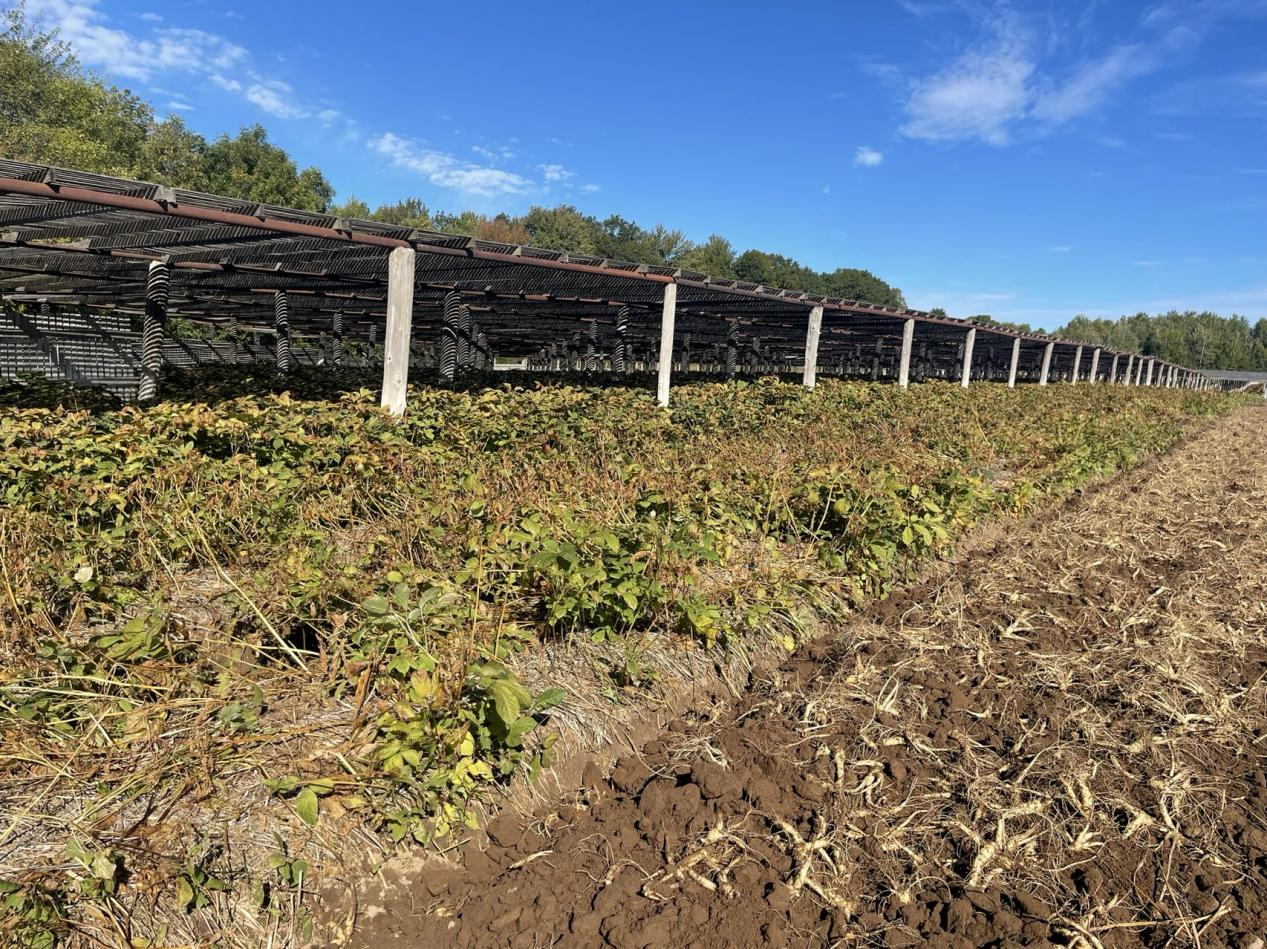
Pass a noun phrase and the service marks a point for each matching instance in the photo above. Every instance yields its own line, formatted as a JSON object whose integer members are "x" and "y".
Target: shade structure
{"x": 70, "y": 238}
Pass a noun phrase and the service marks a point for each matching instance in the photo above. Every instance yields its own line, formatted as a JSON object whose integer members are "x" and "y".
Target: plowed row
{"x": 1058, "y": 737}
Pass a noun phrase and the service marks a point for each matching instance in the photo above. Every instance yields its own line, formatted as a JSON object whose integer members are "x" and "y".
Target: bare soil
{"x": 1058, "y": 737}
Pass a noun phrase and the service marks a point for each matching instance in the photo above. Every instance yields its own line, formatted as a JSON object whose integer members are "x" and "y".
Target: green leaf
{"x": 375, "y": 605}
{"x": 505, "y": 701}
{"x": 515, "y": 734}
{"x": 549, "y": 698}
{"x": 306, "y": 806}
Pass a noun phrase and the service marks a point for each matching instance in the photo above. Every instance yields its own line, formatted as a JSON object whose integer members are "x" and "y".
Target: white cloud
{"x": 1059, "y": 249}
{"x": 180, "y": 106}
{"x": 172, "y": 51}
{"x": 867, "y": 157}
{"x": 448, "y": 171}
{"x": 168, "y": 49}
{"x": 276, "y": 98}
{"x": 978, "y": 96}
{"x": 1011, "y": 78}
{"x": 590, "y": 189}
{"x": 554, "y": 172}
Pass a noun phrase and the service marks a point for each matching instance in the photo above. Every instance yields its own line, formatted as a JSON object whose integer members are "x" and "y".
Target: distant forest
{"x": 52, "y": 111}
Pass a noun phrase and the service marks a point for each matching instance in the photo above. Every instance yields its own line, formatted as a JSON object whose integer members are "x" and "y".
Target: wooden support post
{"x": 1139, "y": 370}
{"x": 1113, "y": 369}
{"x": 1095, "y": 366}
{"x": 1046, "y": 372}
{"x": 157, "y": 288}
{"x": 1015, "y": 364}
{"x": 1077, "y": 364}
{"x": 668, "y": 317}
{"x": 400, "y": 310}
{"x": 969, "y": 344}
{"x": 1148, "y": 377}
{"x": 904, "y": 358}
{"x": 281, "y": 326}
{"x": 336, "y": 349}
{"x": 810, "y": 374}
{"x": 1130, "y": 368}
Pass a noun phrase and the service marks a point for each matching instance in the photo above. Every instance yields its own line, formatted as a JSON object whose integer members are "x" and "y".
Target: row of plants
{"x": 280, "y": 601}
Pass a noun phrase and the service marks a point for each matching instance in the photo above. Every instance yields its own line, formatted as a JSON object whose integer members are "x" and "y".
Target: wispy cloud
{"x": 1012, "y": 78}
{"x": 867, "y": 157}
{"x": 169, "y": 51}
{"x": 980, "y": 95}
{"x": 1059, "y": 249}
{"x": 554, "y": 172}
{"x": 448, "y": 171}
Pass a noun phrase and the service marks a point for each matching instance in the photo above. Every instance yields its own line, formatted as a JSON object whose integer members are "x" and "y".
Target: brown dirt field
{"x": 1058, "y": 737}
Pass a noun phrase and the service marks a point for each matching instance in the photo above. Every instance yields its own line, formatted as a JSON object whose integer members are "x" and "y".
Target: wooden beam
{"x": 1095, "y": 365}
{"x": 1047, "y": 351}
{"x": 667, "y": 318}
{"x": 810, "y": 376}
{"x": 400, "y": 311}
{"x": 1016, "y": 363}
{"x": 1077, "y": 364}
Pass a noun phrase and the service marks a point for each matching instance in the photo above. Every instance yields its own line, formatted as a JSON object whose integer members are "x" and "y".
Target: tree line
{"x": 1200, "y": 340}
{"x": 52, "y": 111}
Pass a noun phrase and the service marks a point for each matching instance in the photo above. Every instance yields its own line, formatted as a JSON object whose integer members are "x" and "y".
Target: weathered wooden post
{"x": 809, "y": 376}
{"x": 1139, "y": 370}
{"x": 1095, "y": 366}
{"x": 1015, "y": 364}
{"x": 668, "y": 318}
{"x": 1130, "y": 368}
{"x": 157, "y": 290}
{"x": 1077, "y": 365}
{"x": 1046, "y": 371}
{"x": 969, "y": 344}
{"x": 1148, "y": 377}
{"x": 400, "y": 311}
{"x": 281, "y": 326}
{"x": 904, "y": 358}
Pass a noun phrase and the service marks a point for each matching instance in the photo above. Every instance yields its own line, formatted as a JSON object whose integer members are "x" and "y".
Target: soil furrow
{"x": 1059, "y": 738}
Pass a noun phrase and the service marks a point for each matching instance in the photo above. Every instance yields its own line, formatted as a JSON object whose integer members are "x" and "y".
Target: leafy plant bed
{"x": 244, "y": 638}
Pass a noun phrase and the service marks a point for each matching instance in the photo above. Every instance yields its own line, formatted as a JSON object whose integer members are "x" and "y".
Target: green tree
{"x": 51, "y": 112}
{"x": 250, "y": 167}
{"x": 715, "y": 257}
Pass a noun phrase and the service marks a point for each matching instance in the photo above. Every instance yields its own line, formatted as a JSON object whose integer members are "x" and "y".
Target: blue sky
{"x": 1029, "y": 160}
